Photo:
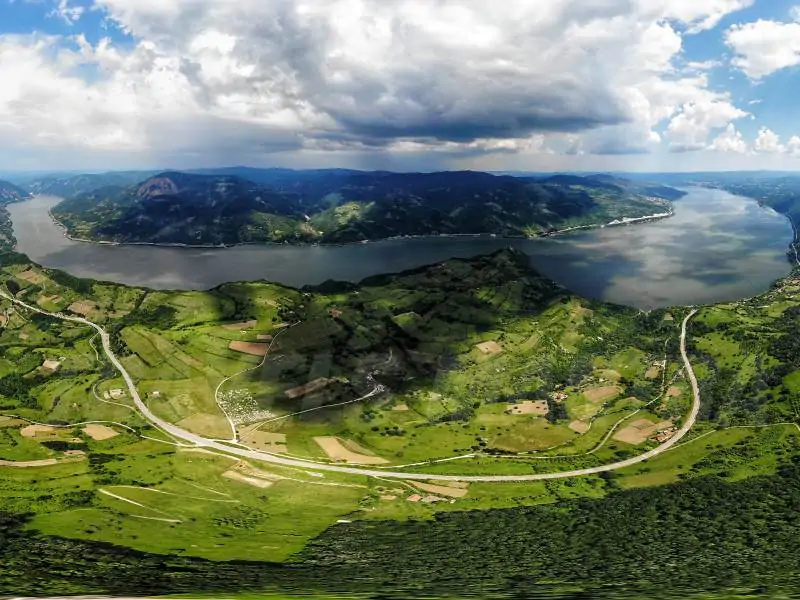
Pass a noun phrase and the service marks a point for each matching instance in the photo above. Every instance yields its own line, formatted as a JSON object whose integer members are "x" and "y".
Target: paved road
{"x": 256, "y": 455}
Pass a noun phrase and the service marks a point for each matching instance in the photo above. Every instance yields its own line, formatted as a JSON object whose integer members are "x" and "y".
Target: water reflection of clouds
{"x": 716, "y": 247}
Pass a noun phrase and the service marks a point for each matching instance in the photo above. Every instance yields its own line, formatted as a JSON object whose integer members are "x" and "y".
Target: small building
{"x": 665, "y": 435}
{"x": 433, "y": 499}
{"x": 155, "y": 394}
{"x": 414, "y": 498}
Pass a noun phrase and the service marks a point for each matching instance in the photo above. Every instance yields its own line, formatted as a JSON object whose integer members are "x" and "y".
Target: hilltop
{"x": 73, "y": 185}
{"x": 239, "y": 205}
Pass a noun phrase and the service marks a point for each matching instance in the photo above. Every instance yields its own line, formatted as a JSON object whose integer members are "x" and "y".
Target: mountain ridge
{"x": 341, "y": 206}
{"x": 11, "y": 193}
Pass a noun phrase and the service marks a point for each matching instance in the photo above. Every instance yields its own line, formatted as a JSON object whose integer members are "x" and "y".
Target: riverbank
{"x": 795, "y": 242}
{"x": 712, "y": 247}
{"x": 544, "y": 234}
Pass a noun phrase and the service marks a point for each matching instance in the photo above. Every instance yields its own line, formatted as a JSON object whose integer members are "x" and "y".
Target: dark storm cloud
{"x": 502, "y": 112}
{"x": 418, "y": 86}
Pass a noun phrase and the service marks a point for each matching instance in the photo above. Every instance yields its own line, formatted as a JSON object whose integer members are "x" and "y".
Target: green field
{"x": 487, "y": 369}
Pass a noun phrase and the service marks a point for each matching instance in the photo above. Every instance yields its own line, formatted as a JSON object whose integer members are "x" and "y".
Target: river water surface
{"x": 717, "y": 247}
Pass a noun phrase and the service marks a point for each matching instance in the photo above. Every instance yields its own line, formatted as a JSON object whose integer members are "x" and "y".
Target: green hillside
{"x": 347, "y": 206}
{"x": 483, "y": 364}
{"x": 8, "y": 193}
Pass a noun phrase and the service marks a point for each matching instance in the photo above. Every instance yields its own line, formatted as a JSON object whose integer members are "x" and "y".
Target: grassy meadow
{"x": 485, "y": 368}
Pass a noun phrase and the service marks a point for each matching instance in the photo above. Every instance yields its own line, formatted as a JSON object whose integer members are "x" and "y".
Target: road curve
{"x": 256, "y": 455}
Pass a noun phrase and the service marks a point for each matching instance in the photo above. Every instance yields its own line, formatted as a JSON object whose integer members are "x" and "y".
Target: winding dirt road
{"x": 256, "y": 455}
{"x": 235, "y": 437}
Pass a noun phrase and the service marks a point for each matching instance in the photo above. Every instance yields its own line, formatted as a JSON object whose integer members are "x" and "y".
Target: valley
{"x": 273, "y": 429}
{"x": 399, "y": 300}
{"x": 373, "y": 402}
{"x": 652, "y": 265}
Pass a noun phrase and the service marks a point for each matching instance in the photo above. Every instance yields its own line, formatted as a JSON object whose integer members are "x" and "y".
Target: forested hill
{"x": 242, "y": 205}
{"x": 11, "y": 193}
{"x": 678, "y": 541}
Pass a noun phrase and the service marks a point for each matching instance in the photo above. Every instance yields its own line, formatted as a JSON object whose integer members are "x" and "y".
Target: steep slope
{"x": 181, "y": 208}
{"x": 339, "y": 206}
{"x": 9, "y": 193}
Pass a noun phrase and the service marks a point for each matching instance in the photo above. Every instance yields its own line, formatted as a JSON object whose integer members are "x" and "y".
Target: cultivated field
{"x": 100, "y": 433}
{"x": 252, "y": 348}
{"x": 539, "y": 408}
{"x": 544, "y": 394}
{"x": 638, "y": 432}
{"x": 338, "y": 451}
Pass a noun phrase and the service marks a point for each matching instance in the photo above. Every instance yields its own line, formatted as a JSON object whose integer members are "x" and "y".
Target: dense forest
{"x": 699, "y": 535}
{"x": 334, "y": 206}
{"x": 8, "y": 193}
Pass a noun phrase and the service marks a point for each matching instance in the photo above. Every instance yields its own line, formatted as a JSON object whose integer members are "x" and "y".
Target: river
{"x": 717, "y": 247}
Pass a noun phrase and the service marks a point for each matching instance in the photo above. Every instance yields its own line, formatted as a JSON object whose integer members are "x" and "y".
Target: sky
{"x": 505, "y": 85}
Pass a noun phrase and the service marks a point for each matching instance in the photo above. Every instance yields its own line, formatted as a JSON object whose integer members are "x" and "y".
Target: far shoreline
{"x": 294, "y": 265}
{"x": 625, "y": 221}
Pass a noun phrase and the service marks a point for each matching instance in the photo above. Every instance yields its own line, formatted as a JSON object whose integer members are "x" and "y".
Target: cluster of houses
{"x": 663, "y": 435}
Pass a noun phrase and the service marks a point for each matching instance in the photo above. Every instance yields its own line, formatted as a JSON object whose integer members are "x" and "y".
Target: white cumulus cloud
{"x": 68, "y": 12}
{"x": 218, "y": 80}
{"x": 730, "y": 140}
{"x": 690, "y": 128}
{"x": 793, "y": 146}
{"x": 764, "y": 47}
{"x": 768, "y": 142}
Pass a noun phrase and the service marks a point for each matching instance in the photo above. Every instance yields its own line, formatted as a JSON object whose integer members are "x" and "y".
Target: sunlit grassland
{"x": 73, "y": 402}
{"x": 46, "y": 490}
{"x": 192, "y": 307}
{"x": 163, "y": 359}
{"x": 735, "y": 453}
{"x": 568, "y": 346}
{"x": 200, "y": 513}
{"x": 15, "y": 447}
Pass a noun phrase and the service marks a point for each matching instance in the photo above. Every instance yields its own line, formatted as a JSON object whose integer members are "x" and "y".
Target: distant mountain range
{"x": 69, "y": 186}
{"x": 244, "y": 205}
